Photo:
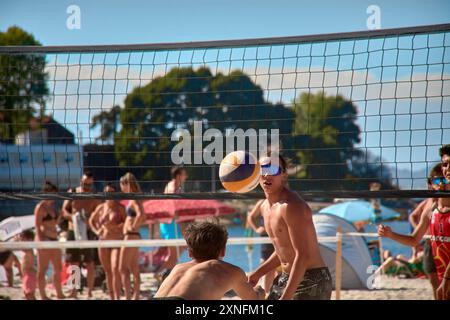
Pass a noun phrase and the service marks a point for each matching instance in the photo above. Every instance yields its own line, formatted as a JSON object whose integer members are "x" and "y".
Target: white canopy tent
{"x": 355, "y": 253}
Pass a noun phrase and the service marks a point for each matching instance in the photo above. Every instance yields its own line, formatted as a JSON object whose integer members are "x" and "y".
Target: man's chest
{"x": 274, "y": 222}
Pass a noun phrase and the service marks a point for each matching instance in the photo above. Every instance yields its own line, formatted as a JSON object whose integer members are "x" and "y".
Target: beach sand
{"x": 387, "y": 288}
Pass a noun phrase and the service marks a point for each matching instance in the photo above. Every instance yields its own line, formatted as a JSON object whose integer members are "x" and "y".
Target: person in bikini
{"x": 206, "y": 277}
{"x": 28, "y": 271}
{"x": 84, "y": 207}
{"x": 107, "y": 223}
{"x": 46, "y": 219}
{"x": 436, "y": 220}
{"x": 129, "y": 257}
{"x": 288, "y": 222}
{"x": 173, "y": 230}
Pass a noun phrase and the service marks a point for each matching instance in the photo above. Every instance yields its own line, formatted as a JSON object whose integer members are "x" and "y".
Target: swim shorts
{"x": 316, "y": 285}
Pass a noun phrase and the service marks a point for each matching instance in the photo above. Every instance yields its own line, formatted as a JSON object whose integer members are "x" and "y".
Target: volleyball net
{"x": 346, "y": 109}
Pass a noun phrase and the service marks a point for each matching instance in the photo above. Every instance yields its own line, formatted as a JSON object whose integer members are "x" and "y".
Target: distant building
{"x": 47, "y": 151}
{"x": 45, "y": 130}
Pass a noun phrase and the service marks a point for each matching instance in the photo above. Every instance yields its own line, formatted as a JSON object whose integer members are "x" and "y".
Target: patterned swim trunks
{"x": 316, "y": 285}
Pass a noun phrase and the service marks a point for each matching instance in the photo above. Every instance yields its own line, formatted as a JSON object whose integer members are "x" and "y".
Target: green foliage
{"x": 23, "y": 86}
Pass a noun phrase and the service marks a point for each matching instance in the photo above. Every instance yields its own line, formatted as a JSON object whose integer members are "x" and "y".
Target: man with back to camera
{"x": 206, "y": 277}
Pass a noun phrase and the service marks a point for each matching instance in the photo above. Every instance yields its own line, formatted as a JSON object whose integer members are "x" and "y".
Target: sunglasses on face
{"x": 439, "y": 180}
{"x": 270, "y": 170}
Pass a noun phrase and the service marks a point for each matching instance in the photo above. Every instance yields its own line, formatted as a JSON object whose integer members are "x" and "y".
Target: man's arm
{"x": 270, "y": 264}
{"x": 417, "y": 235}
{"x": 414, "y": 217}
{"x": 298, "y": 216}
{"x": 253, "y": 214}
{"x": 66, "y": 209}
{"x": 245, "y": 290}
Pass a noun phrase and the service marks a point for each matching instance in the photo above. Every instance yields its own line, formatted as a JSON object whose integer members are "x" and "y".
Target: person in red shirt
{"x": 436, "y": 220}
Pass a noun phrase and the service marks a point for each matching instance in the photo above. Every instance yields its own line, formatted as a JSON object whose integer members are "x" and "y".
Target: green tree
{"x": 23, "y": 86}
{"x": 325, "y": 134}
{"x": 184, "y": 95}
{"x": 109, "y": 123}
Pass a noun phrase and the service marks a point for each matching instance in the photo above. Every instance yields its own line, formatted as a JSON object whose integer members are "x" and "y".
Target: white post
{"x": 338, "y": 275}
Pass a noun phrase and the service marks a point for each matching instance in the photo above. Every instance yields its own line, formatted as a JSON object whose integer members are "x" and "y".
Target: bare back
{"x": 281, "y": 230}
{"x": 208, "y": 280}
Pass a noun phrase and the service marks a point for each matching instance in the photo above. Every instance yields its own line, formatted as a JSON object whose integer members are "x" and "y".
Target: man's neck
{"x": 274, "y": 197}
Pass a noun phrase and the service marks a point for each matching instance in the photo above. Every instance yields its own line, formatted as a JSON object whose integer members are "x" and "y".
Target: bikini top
{"x": 130, "y": 211}
{"x": 117, "y": 219}
{"x": 48, "y": 216}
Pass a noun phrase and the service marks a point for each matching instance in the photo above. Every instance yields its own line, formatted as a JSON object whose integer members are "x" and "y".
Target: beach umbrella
{"x": 12, "y": 226}
{"x": 164, "y": 211}
{"x": 359, "y": 210}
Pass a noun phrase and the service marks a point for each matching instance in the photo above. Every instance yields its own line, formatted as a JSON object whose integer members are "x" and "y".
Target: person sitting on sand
{"x": 401, "y": 265}
{"x": 206, "y": 277}
{"x": 29, "y": 278}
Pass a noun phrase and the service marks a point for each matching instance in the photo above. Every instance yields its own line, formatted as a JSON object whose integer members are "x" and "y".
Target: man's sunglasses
{"x": 438, "y": 180}
{"x": 270, "y": 170}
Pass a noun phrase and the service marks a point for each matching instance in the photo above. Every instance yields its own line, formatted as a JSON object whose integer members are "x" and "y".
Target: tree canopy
{"x": 23, "y": 86}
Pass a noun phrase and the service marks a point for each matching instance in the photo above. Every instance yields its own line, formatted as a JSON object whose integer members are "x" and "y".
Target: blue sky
{"x": 121, "y": 22}
{"x": 139, "y": 21}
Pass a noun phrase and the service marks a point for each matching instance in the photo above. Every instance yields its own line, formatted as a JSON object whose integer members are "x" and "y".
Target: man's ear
{"x": 190, "y": 254}
{"x": 222, "y": 253}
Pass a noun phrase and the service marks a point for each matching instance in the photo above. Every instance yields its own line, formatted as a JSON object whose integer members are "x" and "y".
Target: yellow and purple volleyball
{"x": 239, "y": 172}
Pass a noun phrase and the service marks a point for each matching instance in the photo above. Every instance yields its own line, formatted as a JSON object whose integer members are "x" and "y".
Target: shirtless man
{"x": 70, "y": 207}
{"x": 288, "y": 222}
{"x": 206, "y": 277}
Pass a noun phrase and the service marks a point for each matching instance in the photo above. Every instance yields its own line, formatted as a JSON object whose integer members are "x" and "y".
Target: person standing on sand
{"x": 434, "y": 183}
{"x": 46, "y": 219}
{"x": 107, "y": 223}
{"x": 173, "y": 230}
{"x": 84, "y": 208}
{"x": 288, "y": 222}
{"x": 29, "y": 279}
{"x": 436, "y": 219}
{"x": 129, "y": 257}
{"x": 266, "y": 248}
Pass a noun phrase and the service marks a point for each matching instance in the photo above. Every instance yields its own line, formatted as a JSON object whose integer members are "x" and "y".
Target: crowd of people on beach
{"x": 293, "y": 267}
{"x": 89, "y": 219}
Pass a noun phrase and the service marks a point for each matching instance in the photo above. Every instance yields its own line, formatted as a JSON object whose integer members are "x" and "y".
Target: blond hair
{"x": 130, "y": 179}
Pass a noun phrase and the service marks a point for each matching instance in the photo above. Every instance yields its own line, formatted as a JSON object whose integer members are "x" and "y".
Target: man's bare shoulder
{"x": 224, "y": 267}
{"x": 295, "y": 205}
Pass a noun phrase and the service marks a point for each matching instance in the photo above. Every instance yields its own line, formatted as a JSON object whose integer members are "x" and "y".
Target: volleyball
{"x": 239, "y": 172}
